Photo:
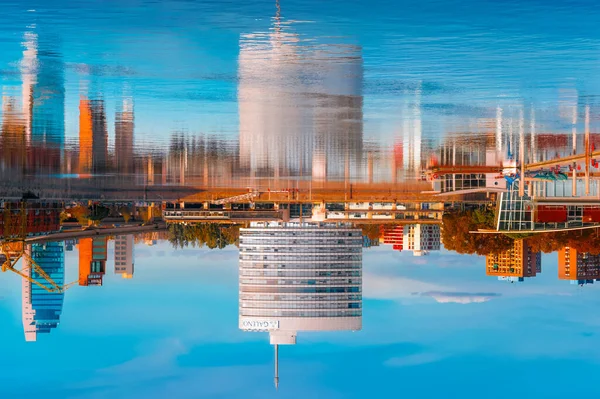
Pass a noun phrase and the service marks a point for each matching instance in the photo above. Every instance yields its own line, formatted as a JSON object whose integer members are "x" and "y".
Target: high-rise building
{"x": 578, "y": 267}
{"x": 92, "y": 260}
{"x": 514, "y": 264}
{"x": 421, "y": 238}
{"x": 124, "y": 127}
{"x": 300, "y": 105}
{"x": 299, "y": 277}
{"x": 124, "y": 255}
{"x": 394, "y": 236}
{"x": 42, "y": 309}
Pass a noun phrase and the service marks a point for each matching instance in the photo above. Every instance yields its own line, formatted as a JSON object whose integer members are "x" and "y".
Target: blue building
{"x": 42, "y": 309}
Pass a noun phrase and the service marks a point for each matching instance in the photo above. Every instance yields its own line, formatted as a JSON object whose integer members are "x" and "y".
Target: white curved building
{"x": 299, "y": 277}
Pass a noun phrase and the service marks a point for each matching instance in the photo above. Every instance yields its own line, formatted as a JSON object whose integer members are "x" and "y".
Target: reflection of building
{"x": 514, "y": 264}
{"x": 124, "y": 138}
{"x": 42, "y": 309}
{"x": 92, "y": 260}
{"x": 579, "y": 267}
{"x": 93, "y": 136}
{"x": 43, "y": 69}
{"x": 12, "y": 136}
{"x": 300, "y": 105}
{"x": 124, "y": 256}
{"x": 412, "y": 131}
{"x": 299, "y": 277}
{"x": 151, "y": 239}
{"x": 394, "y": 235}
{"x": 421, "y": 238}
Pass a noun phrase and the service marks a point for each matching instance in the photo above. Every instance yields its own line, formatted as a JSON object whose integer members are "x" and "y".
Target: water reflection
{"x": 300, "y": 105}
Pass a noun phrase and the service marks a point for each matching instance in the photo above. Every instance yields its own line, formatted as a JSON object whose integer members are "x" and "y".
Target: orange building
{"x": 92, "y": 260}
{"x": 578, "y": 266}
{"x": 517, "y": 262}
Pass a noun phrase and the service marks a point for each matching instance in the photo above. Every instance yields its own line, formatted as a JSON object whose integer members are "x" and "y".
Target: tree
{"x": 456, "y": 237}
{"x": 372, "y": 231}
{"x": 80, "y": 213}
{"x": 97, "y": 213}
{"x": 548, "y": 242}
{"x": 126, "y": 213}
{"x": 197, "y": 235}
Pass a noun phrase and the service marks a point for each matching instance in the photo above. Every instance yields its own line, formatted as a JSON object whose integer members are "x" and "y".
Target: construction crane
{"x": 13, "y": 248}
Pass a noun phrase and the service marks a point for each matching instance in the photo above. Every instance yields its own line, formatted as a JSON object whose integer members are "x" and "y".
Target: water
{"x": 362, "y": 111}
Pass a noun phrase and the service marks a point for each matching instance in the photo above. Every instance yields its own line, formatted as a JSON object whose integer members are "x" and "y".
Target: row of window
{"x": 245, "y": 265}
{"x": 302, "y": 249}
{"x": 283, "y": 313}
{"x": 305, "y": 305}
{"x": 278, "y": 281}
{"x": 299, "y": 290}
{"x": 298, "y": 240}
{"x": 294, "y": 297}
{"x": 307, "y": 273}
{"x": 305, "y": 257}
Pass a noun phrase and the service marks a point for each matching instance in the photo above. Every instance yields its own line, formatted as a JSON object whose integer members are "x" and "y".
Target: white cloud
{"x": 459, "y": 297}
{"x": 413, "y": 360}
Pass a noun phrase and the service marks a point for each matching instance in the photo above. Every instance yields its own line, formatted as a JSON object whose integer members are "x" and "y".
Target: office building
{"x": 92, "y": 260}
{"x": 578, "y": 267}
{"x": 394, "y": 236}
{"x": 515, "y": 263}
{"x": 41, "y": 308}
{"x": 124, "y": 255}
{"x": 299, "y": 277}
{"x": 421, "y": 238}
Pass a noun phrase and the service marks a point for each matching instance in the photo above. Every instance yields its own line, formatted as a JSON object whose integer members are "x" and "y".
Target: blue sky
{"x": 172, "y": 330}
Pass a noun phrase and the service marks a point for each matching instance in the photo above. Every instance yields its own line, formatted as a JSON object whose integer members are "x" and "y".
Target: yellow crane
{"x": 13, "y": 248}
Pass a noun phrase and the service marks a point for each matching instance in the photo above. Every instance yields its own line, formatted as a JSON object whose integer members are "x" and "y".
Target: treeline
{"x": 198, "y": 235}
{"x": 456, "y": 237}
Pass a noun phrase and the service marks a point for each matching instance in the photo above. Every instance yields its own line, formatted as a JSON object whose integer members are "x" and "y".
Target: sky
{"x": 173, "y": 330}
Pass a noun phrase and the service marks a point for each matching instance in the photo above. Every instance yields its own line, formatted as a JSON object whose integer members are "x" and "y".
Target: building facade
{"x": 299, "y": 277}
{"x": 92, "y": 260}
{"x": 124, "y": 255}
{"x": 578, "y": 267}
{"x": 421, "y": 238}
{"x": 514, "y": 264}
{"x": 394, "y": 236}
{"x": 42, "y": 309}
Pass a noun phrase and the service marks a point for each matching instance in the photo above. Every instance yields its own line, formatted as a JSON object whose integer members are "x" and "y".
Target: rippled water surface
{"x": 372, "y": 136}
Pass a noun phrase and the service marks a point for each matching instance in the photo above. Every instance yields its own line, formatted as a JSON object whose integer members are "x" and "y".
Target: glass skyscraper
{"x": 42, "y": 309}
